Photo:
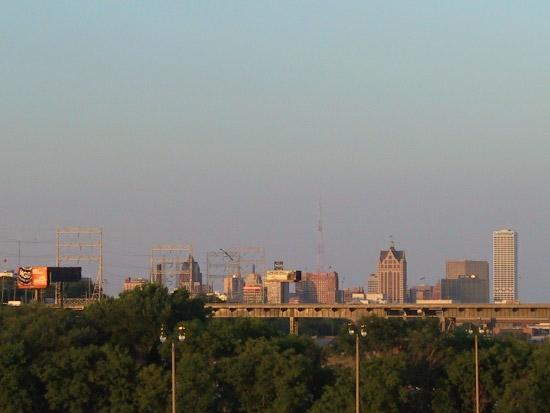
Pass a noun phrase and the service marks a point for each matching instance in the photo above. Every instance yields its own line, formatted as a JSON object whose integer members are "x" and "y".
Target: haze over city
{"x": 224, "y": 124}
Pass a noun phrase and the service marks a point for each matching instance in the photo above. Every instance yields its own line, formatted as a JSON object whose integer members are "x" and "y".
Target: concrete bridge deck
{"x": 448, "y": 314}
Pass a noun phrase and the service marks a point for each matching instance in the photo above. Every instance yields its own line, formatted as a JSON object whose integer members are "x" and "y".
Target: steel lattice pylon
{"x": 226, "y": 262}
{"x": 172, "y": 266}
{"x": 81, "y": 244}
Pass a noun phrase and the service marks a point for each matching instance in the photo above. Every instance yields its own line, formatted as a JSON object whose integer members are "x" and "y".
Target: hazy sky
{"x": 222, "y": 124}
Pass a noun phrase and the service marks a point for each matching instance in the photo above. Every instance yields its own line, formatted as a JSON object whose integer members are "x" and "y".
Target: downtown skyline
{"x": 223, "y": 124}
{"x": 113, "y": 284}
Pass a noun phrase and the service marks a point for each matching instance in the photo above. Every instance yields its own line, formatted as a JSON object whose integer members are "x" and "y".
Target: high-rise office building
{"x": 505, "y": 265}
{"x": 392, "y": 275}
{"x": 465, "y": 290}
{"x": 357, "y": 294}
{"x": 233, "y": 288}
{"x": 277, "y": 291}
{"x": 319, "y": 287}
{"x": 277, "y": 283}
{"x": 466, "y": 281}
{"x": 373, "y": 286}
{"x": 421, "y": 292}
{"x": 191, "y": 276}
{"x": 253, "y": 290}
{"x": 466, "y": 268}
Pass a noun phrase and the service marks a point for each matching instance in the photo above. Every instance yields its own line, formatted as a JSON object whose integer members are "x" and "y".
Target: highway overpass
{"x": 448, "y": 314}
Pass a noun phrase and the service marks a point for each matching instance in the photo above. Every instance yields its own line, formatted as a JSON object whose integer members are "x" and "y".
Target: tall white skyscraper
{"x": 505, "y": 265}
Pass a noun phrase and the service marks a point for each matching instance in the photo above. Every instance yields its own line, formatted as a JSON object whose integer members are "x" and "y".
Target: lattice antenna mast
{"x": 320, "y": 247}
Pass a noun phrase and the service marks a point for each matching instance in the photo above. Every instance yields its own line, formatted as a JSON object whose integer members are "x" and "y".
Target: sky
{"x": 225, "y": 124}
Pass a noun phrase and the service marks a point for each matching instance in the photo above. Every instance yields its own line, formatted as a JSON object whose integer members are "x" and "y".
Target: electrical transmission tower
{"x": 320, "y": 247}
{"x": 81, "y": 244}
{"x": 173, "y": 266}
{"x": 226, "y": 262}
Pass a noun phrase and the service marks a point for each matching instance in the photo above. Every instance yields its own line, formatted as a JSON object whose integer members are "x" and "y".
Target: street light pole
{"x": 173, "y": 377}
{"x": 180, "y": 338}
{"x": 352, "y": 330}
{"x": 357, "y": 373}
{"x": 480, "y": 330}
{"x": 477, "y": 373}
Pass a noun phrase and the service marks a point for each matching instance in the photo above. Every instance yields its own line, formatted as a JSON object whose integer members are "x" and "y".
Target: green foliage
{"x": 384, "y": 336}
{"x": 134, "y": 320}
{"x": 181, "y": 307}
{"x": 89, "y": 379}
{"x": 195, "y": 378}
{"x": 78, "y": 289}
{"x": 152, "y": 391}
{"x": 386, "y": 388}
{"x": 531, "y": 391}
{"x": 69, "y": 379}
{"x": 338, "y": 396}
{"x": 264, "y": 377}
{"x": 321, "y": 326}
{"x": 109, "y": 358}
{"x": 17, "y": 393}
{"x": 223, "y": 338}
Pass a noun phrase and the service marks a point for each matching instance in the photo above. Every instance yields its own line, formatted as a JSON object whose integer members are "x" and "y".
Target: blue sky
{"x": 222, "y": 124}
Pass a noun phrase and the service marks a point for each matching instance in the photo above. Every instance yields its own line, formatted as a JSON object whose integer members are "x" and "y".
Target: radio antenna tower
{"x": 320, "y": 248}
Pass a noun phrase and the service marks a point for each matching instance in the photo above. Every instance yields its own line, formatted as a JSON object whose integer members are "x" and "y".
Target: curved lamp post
{"x": 354, "y": 331}
{"x": 180, "y": 338}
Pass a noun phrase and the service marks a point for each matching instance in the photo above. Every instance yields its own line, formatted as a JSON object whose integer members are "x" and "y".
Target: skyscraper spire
{"x": 320, "y": 248}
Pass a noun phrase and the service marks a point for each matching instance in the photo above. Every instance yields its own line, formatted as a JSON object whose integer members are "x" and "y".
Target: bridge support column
{"x": 293, "y": 325}
{"x": 447, "y": 324}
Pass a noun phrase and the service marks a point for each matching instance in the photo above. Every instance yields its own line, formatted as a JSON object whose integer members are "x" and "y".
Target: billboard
{"x": 7, "y": 274}
{"x": 283, "y": 275}
{"x": 41, "y": 277}
{"x": 65, "y": 274}
{"x": 32, "y": 277}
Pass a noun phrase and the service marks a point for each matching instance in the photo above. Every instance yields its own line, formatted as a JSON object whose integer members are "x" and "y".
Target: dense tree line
{"x": 109, "y": 358}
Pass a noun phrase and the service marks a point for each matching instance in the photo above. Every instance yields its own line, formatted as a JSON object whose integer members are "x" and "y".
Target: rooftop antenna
{"x": 320, "y": 248}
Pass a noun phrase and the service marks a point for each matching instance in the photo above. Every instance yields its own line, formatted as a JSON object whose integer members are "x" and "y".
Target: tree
{"x": 182, "y": 307}
{"x": 196, "y": 390}
{"x": 133, "y": 321}
{"x": 17, "y": 392}
{"x": 530, "y": 392}
{"x": 77, "y": 289}
{"x": 69, "y": 382}
{"x": 90, "y": 379}
{"x": 384, "y": 385}
{"x": 338, "y": 396}
{"x": 152, "y": 391}
{"x": 264, "y": 377}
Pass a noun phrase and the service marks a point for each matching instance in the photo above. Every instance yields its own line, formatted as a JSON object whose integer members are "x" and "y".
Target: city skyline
{"x": 223, "y": 124}
{"x": 391, "y": 259}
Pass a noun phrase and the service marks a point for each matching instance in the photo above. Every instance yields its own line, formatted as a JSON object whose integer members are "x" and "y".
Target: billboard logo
{"x": 24, "y": 276}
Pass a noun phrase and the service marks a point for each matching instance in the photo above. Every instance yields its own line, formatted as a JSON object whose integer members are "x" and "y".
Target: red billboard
{"x": 32, "y": 277}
